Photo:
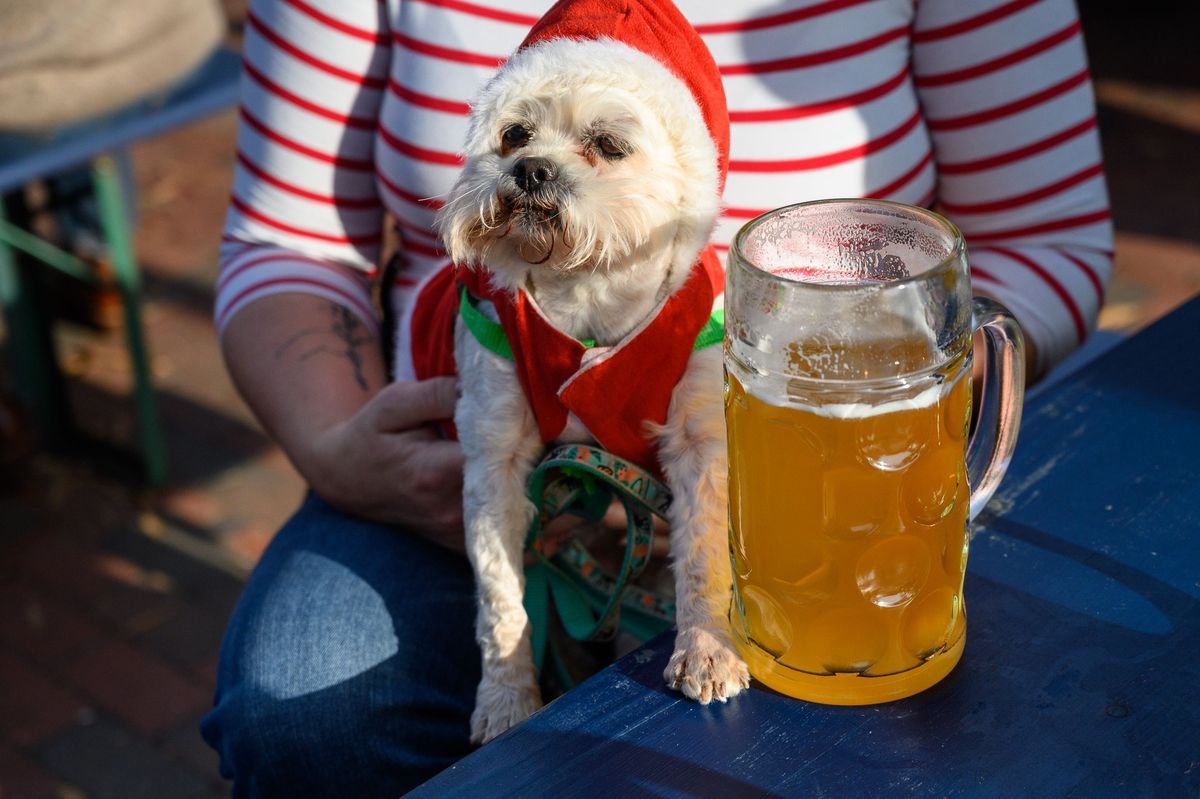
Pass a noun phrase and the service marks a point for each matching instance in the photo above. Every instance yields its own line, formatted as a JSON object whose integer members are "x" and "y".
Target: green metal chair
{"x": 37, "y": 379}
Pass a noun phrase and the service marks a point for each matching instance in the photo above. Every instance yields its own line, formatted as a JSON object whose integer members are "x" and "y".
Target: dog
{"x": 590, "y": 188}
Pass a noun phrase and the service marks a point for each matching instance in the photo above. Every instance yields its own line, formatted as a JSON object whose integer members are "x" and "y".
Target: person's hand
{"x": 559, "y": 529}
{"x": 386, "y": 463}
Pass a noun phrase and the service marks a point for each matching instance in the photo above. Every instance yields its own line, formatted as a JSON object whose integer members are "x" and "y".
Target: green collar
{"x": 491, "y": 335}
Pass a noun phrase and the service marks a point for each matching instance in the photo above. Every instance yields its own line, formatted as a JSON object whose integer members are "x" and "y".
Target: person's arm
{"x": 1005, "y": 91}
{"x": 293, "y": 304}
{"x": 313, "y": 374}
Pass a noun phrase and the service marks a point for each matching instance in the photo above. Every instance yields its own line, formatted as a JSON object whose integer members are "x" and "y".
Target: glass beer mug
{"x": 848, "y": 361}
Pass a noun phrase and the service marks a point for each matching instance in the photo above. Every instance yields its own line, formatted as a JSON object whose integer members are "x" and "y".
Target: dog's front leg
{"x": 692, "y": 449}
{"x": 500, "y": 443}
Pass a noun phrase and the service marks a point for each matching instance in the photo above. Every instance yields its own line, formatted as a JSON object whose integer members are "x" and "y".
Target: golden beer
{"x": 847, "y": 534}
{"x": 852, "y": 478}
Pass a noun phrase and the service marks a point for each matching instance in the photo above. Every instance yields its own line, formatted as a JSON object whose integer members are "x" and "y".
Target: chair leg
{"x": 113, "y": 221}
{"x": 38, "y": 383}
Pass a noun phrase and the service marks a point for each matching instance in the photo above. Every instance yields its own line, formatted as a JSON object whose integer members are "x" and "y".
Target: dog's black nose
{"x": 530, "y": 173}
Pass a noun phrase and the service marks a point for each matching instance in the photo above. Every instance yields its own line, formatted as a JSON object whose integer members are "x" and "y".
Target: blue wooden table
{"x": 1080, "y": 675}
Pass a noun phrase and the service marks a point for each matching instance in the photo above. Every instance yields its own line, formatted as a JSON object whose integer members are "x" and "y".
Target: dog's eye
{"x": 610, "y": 148}
{"x": 515, "y": 136}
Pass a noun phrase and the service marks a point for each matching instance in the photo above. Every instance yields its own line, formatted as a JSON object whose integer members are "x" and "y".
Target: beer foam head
{"x": 806, "y": 395}
{"x": 863, "y": 410}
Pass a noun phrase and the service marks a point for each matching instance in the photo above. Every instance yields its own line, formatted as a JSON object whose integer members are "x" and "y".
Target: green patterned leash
{"x": 591, "y": 602}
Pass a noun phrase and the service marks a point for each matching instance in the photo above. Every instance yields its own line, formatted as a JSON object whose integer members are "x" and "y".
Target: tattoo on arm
{"x": 349, "y": 332}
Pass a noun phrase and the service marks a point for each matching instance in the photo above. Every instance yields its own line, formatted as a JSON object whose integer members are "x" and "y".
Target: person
{"x": 349, "y": 667}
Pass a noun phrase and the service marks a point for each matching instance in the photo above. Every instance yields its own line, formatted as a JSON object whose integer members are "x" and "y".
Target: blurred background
{"x": 114, "y": 593}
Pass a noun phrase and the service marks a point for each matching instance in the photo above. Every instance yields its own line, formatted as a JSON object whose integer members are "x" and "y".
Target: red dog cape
{"x": 614, "y": 390}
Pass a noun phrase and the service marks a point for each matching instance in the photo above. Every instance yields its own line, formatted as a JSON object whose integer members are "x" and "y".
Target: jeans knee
{"x": 359, "y": 738}
{"x": 275, "y": 746}
{"x": 259, "y": 741}
{"x": 349, "y": 666}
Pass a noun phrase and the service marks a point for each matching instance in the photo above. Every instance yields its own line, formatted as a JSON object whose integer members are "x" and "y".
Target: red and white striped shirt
{"x": 982, "y": 109}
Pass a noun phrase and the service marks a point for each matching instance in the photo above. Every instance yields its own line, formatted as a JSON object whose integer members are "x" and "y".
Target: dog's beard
{"x": 488, "y": 220}
{"x": 536, "y": 227}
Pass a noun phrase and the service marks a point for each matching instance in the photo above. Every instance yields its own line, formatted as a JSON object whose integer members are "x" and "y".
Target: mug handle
{"x": 991, "y": 446}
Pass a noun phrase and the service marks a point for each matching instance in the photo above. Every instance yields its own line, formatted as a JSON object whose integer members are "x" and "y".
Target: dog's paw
{"x": 499, "y": 706}
{"x": 705, "y": 667}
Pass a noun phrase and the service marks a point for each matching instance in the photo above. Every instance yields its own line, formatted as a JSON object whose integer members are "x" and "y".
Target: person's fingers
{"x": 560, "y": 527}
{"x": 407, "y": 404}
{"x": 660, "y": 547}
{"x": 443, "y": 457}
{"x": 615, "y": 519}
{"x": 435, "y": 490}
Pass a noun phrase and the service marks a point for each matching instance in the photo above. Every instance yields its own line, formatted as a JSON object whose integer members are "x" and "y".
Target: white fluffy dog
{"x": 590, "y": 188}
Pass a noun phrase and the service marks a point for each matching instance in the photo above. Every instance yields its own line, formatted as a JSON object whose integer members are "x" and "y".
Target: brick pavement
{"x": 113, "y": 599}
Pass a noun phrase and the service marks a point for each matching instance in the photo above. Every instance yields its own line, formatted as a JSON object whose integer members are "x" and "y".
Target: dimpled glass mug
{"x": 848, "y": 360}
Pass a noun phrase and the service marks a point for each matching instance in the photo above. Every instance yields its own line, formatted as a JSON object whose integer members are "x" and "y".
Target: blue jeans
{"x": 349, "y": 666}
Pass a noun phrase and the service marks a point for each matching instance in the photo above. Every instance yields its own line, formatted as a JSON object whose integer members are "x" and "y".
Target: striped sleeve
{"x": 1008, "y": 101}
{"x": 304, "y": 214}
{"x": 820, "y": 104}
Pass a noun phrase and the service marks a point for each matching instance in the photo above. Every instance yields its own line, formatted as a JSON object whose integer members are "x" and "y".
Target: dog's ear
{"x": 695, "y": 231}
{"x": 463, "y": 221}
